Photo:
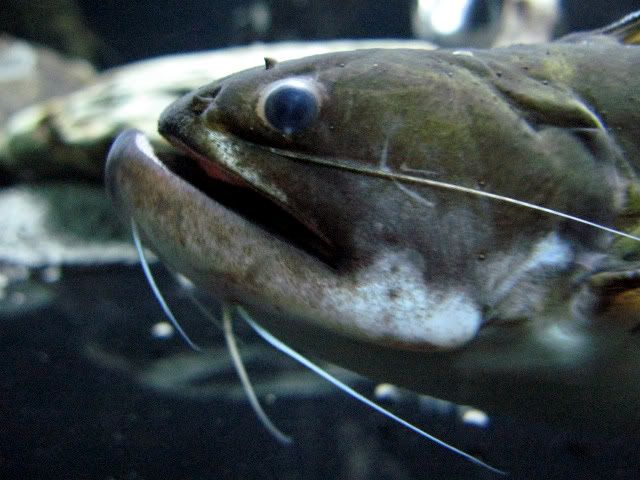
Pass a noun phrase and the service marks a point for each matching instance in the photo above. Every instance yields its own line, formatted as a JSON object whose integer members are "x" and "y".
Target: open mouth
{"x": 234, "y": 193}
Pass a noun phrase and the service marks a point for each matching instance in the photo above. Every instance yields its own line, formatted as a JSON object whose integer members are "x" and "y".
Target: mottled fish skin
{"x": 452, "y": 294}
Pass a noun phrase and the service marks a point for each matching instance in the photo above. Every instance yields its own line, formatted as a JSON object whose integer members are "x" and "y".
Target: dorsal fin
{"x": 627, "y": 29}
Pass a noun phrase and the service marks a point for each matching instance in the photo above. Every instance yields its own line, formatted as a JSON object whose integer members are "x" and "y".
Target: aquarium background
{"x": 91, "y": 387}
{"x": 112, "y": 33}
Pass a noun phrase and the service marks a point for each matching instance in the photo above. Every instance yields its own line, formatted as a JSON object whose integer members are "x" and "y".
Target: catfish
{"x": 463, "y": 223}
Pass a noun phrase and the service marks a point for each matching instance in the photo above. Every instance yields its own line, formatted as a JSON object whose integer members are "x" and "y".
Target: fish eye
{"x": 289, "y": 105}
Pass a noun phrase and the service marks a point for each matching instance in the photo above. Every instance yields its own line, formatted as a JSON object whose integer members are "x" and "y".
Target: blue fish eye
{"x": 290, "y": 108}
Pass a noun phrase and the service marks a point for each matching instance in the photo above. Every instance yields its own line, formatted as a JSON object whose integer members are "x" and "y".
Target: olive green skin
{"x": 555, "y": 125}
{"x": 521, "y": 122}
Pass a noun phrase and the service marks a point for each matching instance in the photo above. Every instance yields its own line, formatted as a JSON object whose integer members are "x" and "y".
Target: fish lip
{"x": 177, "y": 122}
{"x": 123, "y": 148}
{"x": 224, "y": 188}
{"x": 258, "y": 207}
{"x": 227, "y": 254}
{"x": 211, "y": 168}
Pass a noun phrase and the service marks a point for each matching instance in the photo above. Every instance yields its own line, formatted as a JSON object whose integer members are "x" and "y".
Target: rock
{"x": 68, "y": 137}
{"x": 71, "y": 222}
{"x": 30, "y": 74}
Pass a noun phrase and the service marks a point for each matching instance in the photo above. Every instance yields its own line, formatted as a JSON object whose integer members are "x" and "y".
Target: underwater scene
{"x": 294, "y": 239}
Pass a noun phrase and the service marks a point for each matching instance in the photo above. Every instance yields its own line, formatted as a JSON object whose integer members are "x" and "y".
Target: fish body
{"x": 373, "y": 207}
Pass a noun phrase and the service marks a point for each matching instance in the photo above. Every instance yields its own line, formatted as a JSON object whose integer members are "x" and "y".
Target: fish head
{"x": 313, "y": 190}
{"x": 282, "y": 131}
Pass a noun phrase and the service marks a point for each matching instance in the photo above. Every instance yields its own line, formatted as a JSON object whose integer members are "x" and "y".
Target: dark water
{"x": 65, "y": 415}
{"x": 111, "y": 33}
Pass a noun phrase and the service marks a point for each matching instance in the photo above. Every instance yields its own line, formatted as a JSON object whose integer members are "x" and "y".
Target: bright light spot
{"x": 143, "y": 144}
{"x": 475, "y": 417}
{"x": 563, "y": 337}
{"x": 162, "y": 330}
{"x": 184, "y": 282}
{"x": 385, "y": 392}
{"x": 260, "y": 17}
{"x": 446, "y": 16}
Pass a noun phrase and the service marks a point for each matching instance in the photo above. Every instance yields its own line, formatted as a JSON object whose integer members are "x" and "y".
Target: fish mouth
{"x": 247, "y": 200}
{"x": 230, "y": 251}
{"x": 233, "y": 193}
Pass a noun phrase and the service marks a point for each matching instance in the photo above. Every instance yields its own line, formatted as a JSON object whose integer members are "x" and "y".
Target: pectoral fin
{"x": 547, "y": 105}
{"x": 629, "y": 221}
{"x": 618, "y": 296}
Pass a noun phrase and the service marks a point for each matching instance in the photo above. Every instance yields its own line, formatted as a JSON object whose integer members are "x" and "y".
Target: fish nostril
{"x": 214, "y": 93}
{"x": 199, "y": 103}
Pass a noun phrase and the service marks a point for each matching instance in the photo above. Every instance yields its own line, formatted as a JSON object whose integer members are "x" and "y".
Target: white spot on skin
{"x": 550, "y": 253}
{"x": 416, "y": 196}
{"x": 565, "y": 338}
{"x": 390, "y": 302}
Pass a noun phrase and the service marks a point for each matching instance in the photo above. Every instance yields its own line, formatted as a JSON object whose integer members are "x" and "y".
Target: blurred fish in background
{"x": 483, "y": 23}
